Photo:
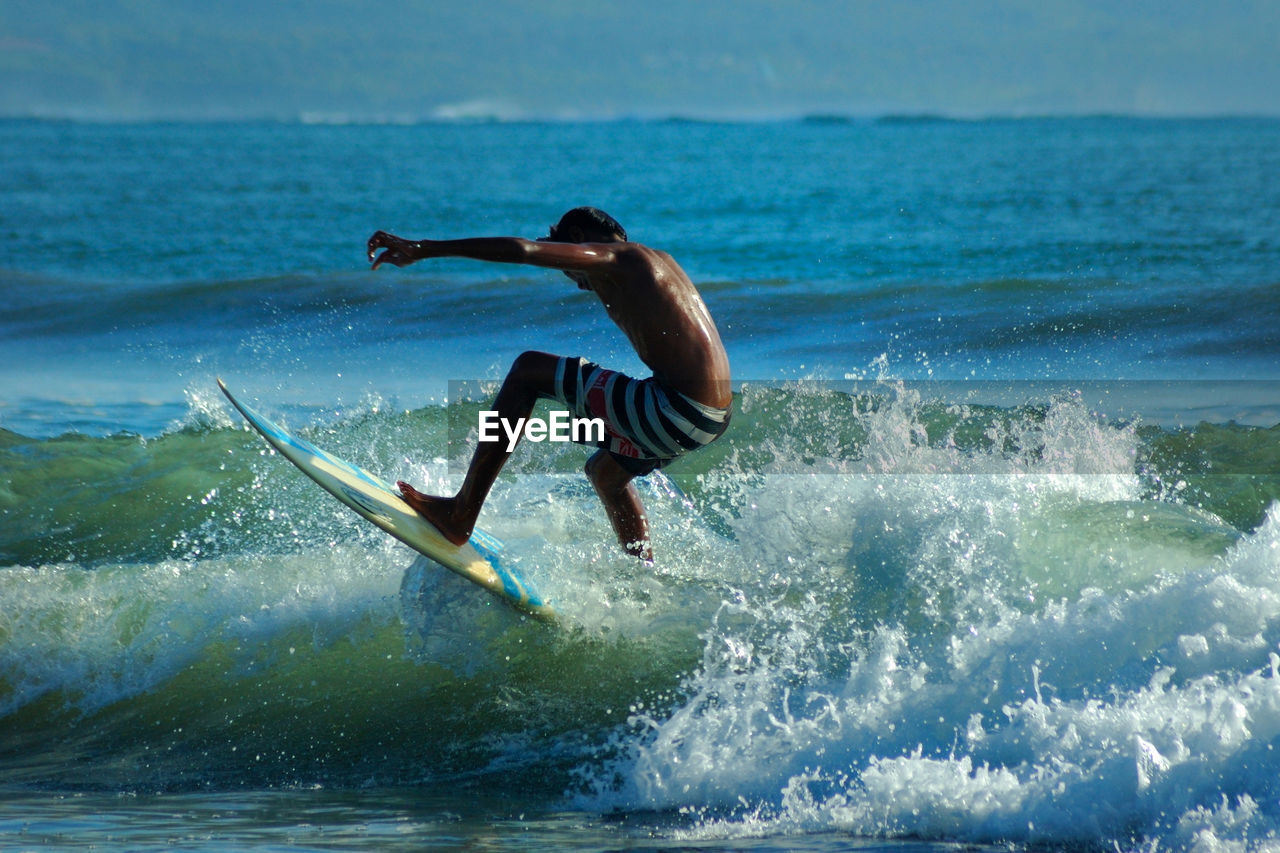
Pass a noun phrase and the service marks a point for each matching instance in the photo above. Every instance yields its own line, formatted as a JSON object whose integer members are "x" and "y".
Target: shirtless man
{"x": 649, "y": 422}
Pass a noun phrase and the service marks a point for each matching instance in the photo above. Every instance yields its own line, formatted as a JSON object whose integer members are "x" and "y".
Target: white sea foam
{"x": 1021, "y": 648}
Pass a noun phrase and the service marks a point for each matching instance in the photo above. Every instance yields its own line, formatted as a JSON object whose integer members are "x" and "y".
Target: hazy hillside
{"x": 715, "y": 57}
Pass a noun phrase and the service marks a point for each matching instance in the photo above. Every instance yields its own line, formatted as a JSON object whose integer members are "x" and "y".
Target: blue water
{"x": 1079, "y": 249}
{"x": 991, "y": 554}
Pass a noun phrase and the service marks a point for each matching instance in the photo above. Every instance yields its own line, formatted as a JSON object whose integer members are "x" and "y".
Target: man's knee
{"x": 605, "y": 474}
{"x": 532, "y": 363}
{"x": 533, "y": 373}
{"x": 592, "y": 468}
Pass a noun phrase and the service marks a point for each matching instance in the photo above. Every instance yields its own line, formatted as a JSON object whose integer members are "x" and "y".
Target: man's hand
{"x": 399, "y": 251}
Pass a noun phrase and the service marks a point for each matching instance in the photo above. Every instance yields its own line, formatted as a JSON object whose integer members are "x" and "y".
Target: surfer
{"x": 649, "y": 422}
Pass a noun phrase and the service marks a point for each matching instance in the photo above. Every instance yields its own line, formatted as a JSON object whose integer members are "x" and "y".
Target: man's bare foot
{"x": 439, "y": 511}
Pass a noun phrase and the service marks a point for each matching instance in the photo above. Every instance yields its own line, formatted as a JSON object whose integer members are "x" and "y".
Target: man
{"x": 649, "y": 422}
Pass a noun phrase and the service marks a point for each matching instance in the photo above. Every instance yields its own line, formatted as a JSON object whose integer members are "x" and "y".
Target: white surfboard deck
{"x": 479, "y": 561}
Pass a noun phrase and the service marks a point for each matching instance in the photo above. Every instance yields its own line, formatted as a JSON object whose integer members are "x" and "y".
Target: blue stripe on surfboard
{"x": 491, "y": 549}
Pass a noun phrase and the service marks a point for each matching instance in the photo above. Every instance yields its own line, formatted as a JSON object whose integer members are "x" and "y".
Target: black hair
{"x": 592, "y": 220}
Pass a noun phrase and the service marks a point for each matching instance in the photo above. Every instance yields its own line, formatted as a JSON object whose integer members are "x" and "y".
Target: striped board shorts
{"x": 647, "y": 424}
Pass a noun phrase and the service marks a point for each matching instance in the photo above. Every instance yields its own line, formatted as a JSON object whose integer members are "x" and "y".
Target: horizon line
{"x": 339, "y": 118}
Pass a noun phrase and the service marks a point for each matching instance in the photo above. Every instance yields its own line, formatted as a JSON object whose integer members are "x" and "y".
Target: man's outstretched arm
{"x": 583, "y": 257}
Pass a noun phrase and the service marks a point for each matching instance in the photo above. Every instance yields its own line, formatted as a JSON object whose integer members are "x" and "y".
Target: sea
{"x": 989, "y": 558}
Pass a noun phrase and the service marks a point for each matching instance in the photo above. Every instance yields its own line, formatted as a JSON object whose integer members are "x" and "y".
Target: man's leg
{"x": 532, "y": 375}
{"x": 617, "y": 492}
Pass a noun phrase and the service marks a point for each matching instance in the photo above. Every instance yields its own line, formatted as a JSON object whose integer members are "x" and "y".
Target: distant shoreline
{"x": 817, "y": 118}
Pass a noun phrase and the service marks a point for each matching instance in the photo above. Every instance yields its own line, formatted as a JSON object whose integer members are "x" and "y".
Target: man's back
{"x": 653, "y": 302}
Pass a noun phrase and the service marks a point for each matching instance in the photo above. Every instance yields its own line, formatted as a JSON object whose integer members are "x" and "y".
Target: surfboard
{"x": 480, "y": 560}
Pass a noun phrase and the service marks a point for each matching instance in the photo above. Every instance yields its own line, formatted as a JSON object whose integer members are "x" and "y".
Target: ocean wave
{"x": 873, "y": 612}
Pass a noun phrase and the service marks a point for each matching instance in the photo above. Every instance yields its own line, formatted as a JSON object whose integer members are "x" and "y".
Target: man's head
{"x": 587, "y": 225}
